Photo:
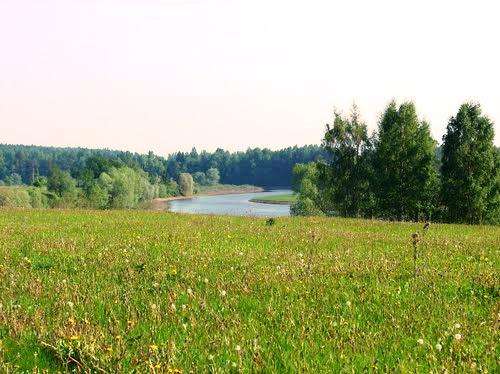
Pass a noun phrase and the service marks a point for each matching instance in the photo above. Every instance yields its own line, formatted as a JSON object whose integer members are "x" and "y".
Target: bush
{"x": 37, "y": 198}
{"x": 186, "y": 185}
{"x": 14, "y": 197}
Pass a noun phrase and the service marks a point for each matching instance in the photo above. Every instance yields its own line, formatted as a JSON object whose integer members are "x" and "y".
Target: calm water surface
{"x": 234, "y": 205}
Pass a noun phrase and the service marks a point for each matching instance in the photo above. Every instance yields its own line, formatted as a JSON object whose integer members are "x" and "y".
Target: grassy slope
{"x": 227, "y": 188}
{"x": 276, "y": 199}
{"x": 113, "y": 290}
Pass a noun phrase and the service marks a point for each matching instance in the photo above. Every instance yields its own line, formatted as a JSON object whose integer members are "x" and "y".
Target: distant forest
{"x": 21, "y": 164}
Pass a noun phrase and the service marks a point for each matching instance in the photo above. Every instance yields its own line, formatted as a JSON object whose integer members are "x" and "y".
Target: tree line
{"x": 77, "y": 177}
{"x": 20, "y": 164}
{"x": 399, "y": 173}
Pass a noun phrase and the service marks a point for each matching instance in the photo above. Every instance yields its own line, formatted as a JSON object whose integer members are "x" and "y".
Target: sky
{"x": 169, "y": 75}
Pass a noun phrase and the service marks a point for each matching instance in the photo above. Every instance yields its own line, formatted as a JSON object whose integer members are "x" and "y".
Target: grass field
{"x": 127, "y": 290}
{"x": 276, "y": 199}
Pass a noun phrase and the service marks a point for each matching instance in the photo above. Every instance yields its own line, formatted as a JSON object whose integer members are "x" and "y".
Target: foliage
{"x": 212, "y": 176}
{"x": 142, "y": 292}
{"x": 14, "y": 197}
{"x": 470, "y": 168}
{"x": 186, "y": 184}
{"x": 13, "y": 179}
{"x": 305, "y": 183}
{"x": 200, "y": 178}
{"x": 60, "y": 182}
{"x": 347, "y": 177}
{"x": 127, "y": 188}
{"x": 406, "y": 183}
{"x": 255, "y": 166}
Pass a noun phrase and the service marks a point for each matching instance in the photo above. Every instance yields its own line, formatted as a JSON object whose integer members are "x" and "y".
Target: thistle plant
{"x": 416, "y": 238}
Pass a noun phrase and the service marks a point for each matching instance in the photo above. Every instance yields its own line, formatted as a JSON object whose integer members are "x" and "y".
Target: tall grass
{"x": 144, "y": 291}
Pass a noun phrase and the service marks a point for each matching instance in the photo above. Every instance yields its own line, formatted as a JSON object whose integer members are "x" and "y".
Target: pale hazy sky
{"x": 167, "y": 75}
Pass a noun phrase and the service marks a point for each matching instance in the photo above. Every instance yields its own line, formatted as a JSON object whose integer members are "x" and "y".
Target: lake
{"x": 233, "y": 205}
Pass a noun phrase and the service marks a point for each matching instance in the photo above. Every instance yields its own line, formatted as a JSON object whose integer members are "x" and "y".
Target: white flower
{"x": 70, "y": 304}
{"x": 190, "y": 292}
{"x": 223, "y": 293}
{"x": 238, "y": 348}
{"x": 458, "y": 336}
{"x": 420, "y": 341}
{"x": 348, "y": 303}
{"x": 185, "y": 326}
{"x": 184, "y": 307}
{"x": 172, "y": 306}
{"x": 457, "y": 325}
{"x": 210, "y": 357}
{"x": 205, "y": 280}
{"x": 439, "y": 347}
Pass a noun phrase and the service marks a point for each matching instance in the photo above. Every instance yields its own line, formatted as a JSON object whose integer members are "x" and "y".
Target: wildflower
{"x": 156, "y": 284}
{"x": 223, "y": 293}
{"x": 184, "y": 326}
{"x": 348, "y": 303}
{"x": 183, "y": 306}
{"x": 74, "y": 337}
{"x": 420, "y": 341}
{"x": 439, "y": 347}
{"x": 458, "y": 336}
{"x": 70, "y": 304}
{"x": 238, "y": 348}
{"x": 210, "y": 357}
{"x": 205, "y": 280}
{"x": 153, "y": 347}
{"x": 190, "y": 292}
{"x": 457, "y": 325}
{"x": 172, "y": 306}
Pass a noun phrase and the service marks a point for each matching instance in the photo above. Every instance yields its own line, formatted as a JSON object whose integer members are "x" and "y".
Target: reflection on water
{"x": 234, "y": 205}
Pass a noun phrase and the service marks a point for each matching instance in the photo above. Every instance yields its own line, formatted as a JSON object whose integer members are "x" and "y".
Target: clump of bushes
{"x": 23, "y": 197}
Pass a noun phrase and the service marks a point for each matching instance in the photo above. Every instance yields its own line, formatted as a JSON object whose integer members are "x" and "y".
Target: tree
{"x": 348, "y": 173}
{"x": 60, "y": 182}
{"x": 470, "y": 168}
{"x": 186, "y": 184}
{"x": 213, "y": 176}
{"x": 405, "y": 167}
{"x": 200, "y": 178}
{"x": 13, "y": 180}
{"x": 305, "y": 184}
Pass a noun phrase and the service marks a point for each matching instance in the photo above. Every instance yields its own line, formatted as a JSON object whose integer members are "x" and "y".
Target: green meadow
{"x": 136, "y": 291}
{"x": 276, "y": 199}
